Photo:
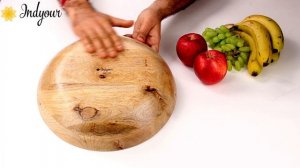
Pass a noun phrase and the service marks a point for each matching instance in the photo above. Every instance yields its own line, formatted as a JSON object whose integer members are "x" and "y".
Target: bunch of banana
{"x": 265, "y": 39}
{"x": 253, "y": 66}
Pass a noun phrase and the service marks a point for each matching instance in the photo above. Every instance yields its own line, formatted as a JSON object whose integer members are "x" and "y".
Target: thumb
{"x": 140, "y": 32}
{"x": 121, "y": 22}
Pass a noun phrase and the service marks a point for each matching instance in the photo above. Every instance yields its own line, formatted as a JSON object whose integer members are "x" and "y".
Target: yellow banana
{"x": 275, "y": 57}
{"x": 261, "y": 37}
{"x": 275, "y": 31}
{"x": 254, "y": 68}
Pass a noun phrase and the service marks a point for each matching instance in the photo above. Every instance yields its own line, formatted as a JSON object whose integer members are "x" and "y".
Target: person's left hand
{"x": 147, "y": 28}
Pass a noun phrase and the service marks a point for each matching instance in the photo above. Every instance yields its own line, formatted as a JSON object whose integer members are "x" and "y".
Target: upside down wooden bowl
{"x": 106, "y": 104}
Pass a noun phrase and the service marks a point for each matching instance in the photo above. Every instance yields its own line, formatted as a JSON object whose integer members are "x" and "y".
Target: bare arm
{"x": 148, "y": 25}
{"x": 169, "y": 7}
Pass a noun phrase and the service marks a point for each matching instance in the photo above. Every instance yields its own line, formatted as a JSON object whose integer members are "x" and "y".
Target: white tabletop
{"x": 242, "y": 122}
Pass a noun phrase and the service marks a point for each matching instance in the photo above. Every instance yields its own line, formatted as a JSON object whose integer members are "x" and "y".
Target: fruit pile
{"x": 230, "y": 43}
{"x": 253, "y": 43}
{"x": 263, "y": 35}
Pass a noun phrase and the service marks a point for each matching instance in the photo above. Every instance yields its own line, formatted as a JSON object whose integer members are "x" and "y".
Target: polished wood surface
{"x": 106, "y": 104}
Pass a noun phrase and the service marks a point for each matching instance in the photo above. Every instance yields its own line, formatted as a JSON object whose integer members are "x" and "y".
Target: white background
{"x": 242, "y": 122}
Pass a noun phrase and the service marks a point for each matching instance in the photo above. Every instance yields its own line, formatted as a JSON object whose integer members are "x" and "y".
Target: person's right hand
{"x": 95, "y": 29}
{"x": 147, "y": 28}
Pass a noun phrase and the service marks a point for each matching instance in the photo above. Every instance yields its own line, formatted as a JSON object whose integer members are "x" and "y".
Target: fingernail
{"x": 120, "y": 47}
{"x": 112, "y": 54}
{"x": 155, "y": 48}
{"x": 140, "y": 38}
{"x": 102, "y": 54}
{"x": 128, "y": 35}
{"x": 90, "y": 49}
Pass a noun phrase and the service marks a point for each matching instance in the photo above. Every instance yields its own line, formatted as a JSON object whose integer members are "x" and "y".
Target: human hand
{"x": 95, "y": 29}
{"x": 147, "y": 28}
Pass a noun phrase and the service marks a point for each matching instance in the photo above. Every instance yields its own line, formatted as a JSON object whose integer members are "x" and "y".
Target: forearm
{"x": 74, "y": 6}
{"x": 169, "y": 7}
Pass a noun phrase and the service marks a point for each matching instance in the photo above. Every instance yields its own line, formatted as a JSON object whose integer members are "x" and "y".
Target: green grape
{"x": 218, "y": 30}
{"x": 241, "y": 40}
{"x": 242, "y": 65}
{"x": 205, "y": 37}
{"x": 233, "y": 61}
{"x": 211, "y": 34}
{"x": 237, "y": 65}
{"x": 240, "y": 44}
{"x": 231, "y": 40}
{"x": 225, "y": 48}
{"x": 244, "y": 49}
{"x": 224, "y": 29}
{"x": 212, "y": 45}
{"x": 221, "y": 36}
{"x": 234, "y": 40}
{"x": 229, "y": 57}
{"x": 231, "y": 46}
{"x": 240, "y": 59}
{"x": 209, "y": 29}
{"x": 244, "y": 56}
{"x": 216, "y": 39}
{"x": 223, "y": 42}
{"x": 218, "y": 48}
{"x": 204, "y": 34}
{"x": 229, "y": 66}
{"x": 228, "y": 34}
{"x": 228, "y": 40}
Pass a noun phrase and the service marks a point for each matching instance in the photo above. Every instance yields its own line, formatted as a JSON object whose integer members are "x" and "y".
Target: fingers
{"x": 111, "y": 39}
{"x": 149, "y": 34}
{"x": 92, "y": 41}
{"x": 147, "y": 29}
{"x": 87, "y": 42}
{"x": 98, "y": 36}
{"x": 106, "y": 40}
{"x": 155, "y": 47}
{"x": 121, "y": 22}
{"x": 141, "y": 30}
{"x": 153, "y": 39}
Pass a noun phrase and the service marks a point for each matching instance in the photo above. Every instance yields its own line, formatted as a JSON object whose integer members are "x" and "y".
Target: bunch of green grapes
{"x": 226, "y": 41}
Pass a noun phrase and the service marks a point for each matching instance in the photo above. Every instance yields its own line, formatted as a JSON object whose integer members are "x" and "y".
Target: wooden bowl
{"x": 106, "y": 104}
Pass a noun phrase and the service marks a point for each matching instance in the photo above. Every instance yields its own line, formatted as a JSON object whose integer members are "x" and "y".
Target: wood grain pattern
{"x": 106, "y": 104}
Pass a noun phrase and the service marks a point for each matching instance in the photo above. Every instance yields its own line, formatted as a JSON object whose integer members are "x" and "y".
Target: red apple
{"x": 210, "y": 66}
{"x": 189, "y": 46}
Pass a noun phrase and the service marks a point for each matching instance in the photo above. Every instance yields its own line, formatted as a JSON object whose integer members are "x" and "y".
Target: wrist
{"x": 72, "y": 7}
{"x": 162, "y": 8}
{"x": 168, "y": 7}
